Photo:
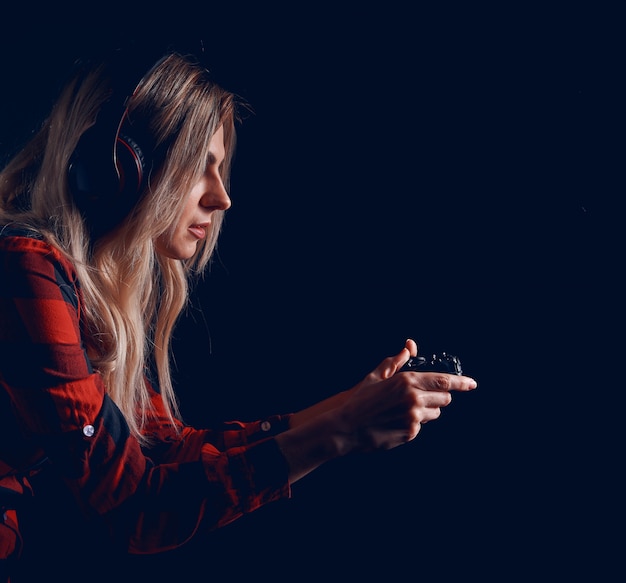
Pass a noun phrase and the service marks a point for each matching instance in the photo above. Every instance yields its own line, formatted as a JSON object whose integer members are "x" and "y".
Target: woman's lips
{"x": 198, "y": 231}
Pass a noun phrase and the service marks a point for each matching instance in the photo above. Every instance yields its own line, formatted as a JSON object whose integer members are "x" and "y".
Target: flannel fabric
{"x": 54, "y": 412}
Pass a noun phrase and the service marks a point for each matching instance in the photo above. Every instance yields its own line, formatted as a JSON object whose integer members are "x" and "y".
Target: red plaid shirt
{"x": 54, "y": 411}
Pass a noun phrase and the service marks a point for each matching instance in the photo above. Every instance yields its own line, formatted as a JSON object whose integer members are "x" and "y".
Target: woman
{"x": 106, "y": 215}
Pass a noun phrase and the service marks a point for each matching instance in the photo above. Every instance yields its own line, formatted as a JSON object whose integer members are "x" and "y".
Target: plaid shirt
{"x": 54, "y": 410}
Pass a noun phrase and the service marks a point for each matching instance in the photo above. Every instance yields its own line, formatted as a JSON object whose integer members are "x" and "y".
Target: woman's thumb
{"x": 392, "y": 364}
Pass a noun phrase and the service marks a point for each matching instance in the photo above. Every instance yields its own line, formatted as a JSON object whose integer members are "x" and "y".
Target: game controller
{"x": 436, "y": 363}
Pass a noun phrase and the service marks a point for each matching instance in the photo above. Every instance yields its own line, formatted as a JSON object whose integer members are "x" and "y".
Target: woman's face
{"x": 207, "y": 196}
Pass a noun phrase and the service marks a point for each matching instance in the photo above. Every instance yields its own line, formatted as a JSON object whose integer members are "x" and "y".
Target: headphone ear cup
{"x": 130, "y": 163}
{"x": 105, "y": 186}
{"x": 91, "y": 173}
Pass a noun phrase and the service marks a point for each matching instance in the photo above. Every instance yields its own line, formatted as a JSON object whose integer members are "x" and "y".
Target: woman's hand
{"x": 387, "y": 409}
{"x": 384, "y": 410}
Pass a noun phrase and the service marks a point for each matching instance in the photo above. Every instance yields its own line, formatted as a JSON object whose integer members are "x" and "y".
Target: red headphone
{"x": 109, "y": 168}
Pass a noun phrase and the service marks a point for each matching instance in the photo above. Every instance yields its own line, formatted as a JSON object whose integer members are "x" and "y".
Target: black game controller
{"x": 436, "y": 363}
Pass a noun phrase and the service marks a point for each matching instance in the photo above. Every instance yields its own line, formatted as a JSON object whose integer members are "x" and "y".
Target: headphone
{"x": 110, "y": 165}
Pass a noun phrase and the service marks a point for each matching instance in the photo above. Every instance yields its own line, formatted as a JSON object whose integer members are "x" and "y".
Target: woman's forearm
{"x": 306, "y": 415}
{"x": 311, "y": 443}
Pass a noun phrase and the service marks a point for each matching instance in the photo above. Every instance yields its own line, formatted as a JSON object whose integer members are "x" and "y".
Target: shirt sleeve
{"x": 154, "y": 498}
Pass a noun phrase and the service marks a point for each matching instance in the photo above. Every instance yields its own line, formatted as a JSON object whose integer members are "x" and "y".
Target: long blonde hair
{"x": 132, "y": 295}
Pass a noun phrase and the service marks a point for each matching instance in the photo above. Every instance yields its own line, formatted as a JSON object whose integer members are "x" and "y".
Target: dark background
{"x": 453, "y": 174}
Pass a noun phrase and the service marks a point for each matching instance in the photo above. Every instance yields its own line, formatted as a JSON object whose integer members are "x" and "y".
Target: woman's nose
{"x": 215, "y": 195}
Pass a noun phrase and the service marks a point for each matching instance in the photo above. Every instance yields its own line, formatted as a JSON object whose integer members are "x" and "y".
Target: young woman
{"x": 104, "y": 217}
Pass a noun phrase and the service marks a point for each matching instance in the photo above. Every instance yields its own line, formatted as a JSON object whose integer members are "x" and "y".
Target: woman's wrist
{"x": 309, "y": 445}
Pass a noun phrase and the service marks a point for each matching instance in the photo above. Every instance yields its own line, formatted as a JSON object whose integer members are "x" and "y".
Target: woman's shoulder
{"x": 25, "y": 241}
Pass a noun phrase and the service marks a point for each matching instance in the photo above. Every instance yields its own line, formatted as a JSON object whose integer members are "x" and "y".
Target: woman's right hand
{"x": 386, "y": 409}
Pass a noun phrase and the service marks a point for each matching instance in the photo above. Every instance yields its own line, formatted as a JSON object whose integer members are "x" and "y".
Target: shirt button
{"x": 266, "y": 426}
{"x": 89, "y": 430}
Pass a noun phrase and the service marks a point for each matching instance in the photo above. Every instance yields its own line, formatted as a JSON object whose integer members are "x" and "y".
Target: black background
{"x": 454, "y": 174}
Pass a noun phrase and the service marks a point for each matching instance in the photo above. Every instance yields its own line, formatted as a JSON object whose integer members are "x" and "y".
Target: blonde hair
{"x": 132, "y": 295}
